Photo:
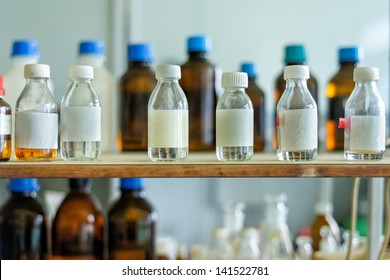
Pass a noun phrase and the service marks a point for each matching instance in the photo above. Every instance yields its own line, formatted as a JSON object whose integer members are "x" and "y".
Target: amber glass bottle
{"x": 135, "y": 87}
{"x": 338, "y": 90}
{"x": 293, "y": 55}
{"x": 5, "y": 126}
{"x": 198, "y": 80}
{"x": 23, "y": 225}
{"x": 132, "y": 224}
{"x": 78, "y": 226}
{"x": 257, "y": 96}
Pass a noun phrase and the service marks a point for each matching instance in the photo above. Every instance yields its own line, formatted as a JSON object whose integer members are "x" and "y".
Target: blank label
{"x": 81, "y": 124}
{"x": 368, "y": 133}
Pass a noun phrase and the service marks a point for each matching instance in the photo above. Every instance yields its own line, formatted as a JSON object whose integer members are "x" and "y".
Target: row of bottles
{"x": 80, "y": 230}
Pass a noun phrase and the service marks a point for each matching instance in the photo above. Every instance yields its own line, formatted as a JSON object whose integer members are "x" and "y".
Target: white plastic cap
{"x": 168, "y": 71}
{"x": 296, "y": 72}
{"x": 36, "y": 71}
{"x": 365, "y": 73}
{"x": 323, "y": 208}
{"x": 235, "y": 79}
{"x": 81, "y": 71}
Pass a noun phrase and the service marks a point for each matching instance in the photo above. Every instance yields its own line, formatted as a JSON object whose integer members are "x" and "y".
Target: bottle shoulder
{"x": 79, "y": 203}
{"x": 127, "y": 205}
{"x": 22, "y": 206}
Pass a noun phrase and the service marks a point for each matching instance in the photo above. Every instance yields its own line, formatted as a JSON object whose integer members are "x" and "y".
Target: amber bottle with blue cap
{"x": 23, "y": 224}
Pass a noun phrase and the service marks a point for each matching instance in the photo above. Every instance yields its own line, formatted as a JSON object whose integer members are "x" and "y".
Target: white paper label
{"x": 168, "y": 128}
{"x": 36, "y": 130}
{"x": 368, "y": 133}
{"x": 234, "y": 127}
{"x": 80, "y": 123}
{"x": 298, "y": 129}
{"x": 5, "y": 124}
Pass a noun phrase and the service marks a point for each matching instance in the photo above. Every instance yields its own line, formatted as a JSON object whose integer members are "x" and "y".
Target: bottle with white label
{"x": 296, "y": 118}
{"x": 5, "y": 126}
{"x": 80, "y": 120}
{"x": 168, "y": 117}
{"x": 234, "y": 125}
{"x": 365, "y": 121}
{"x": 36, "y": 117}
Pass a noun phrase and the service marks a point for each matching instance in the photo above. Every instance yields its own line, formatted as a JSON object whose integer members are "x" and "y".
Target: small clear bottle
{"x": 233, "y": 219}
{"x": 365, "y": 121}
{"x": 168, "y": 117}
{"x": 297, "y": 118}
{"x": 80, "y": 117}
{"x": 5, "y": 126}
{"x": 234, "y": 119}
{"x": 36, "y": 117}
{"x": 248, "y": 247}
{"x": 221, "y": 249}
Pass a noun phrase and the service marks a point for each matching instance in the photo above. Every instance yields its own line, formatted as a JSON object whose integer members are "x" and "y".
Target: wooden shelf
{"x": 196, "y": 165}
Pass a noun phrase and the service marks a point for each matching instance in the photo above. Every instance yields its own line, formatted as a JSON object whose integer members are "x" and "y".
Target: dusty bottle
{"x": 168, "y": 117}
{"x": 257, "y": 96}
{"x": 36, "y": 118}
{"x": 23, "y": 224}
{"x": 135, "y": 88}
{"x": 338, "y": 90}
{"x": 234, "y": 121}
{"x": 78, "y": 226}
{"x": 365, "y": 120}
{"x": 199, "y": 84}
{"x": 80, "y": 120}
{"x": 5, "y": 126}
{"x": 296, "y": 118}
{"x": 132, "y": 224}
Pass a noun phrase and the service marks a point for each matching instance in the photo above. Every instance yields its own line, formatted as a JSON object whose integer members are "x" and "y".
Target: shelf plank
{"x": 196, "y": 165}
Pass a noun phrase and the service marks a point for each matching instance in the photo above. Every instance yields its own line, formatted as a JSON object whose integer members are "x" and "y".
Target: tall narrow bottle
{"x": 234, "y": 119}
{"x": 365, "y": 119}
{"x": 168, "y": 117}
{"x": 132, "y": 224}
{"x": 78, "y": 226}
{"x": 5, "y": 126}
{"x": 257, "y": 96}
{"x": 23, "y": 224}
{"x": 296, "y": 118}
{"x": 80, "y": 117}
{"x": 36, "y": 118}
{"x": 338, "y": 90}
{"x": 135, "y": 88}
{"x": 199, "y": 84}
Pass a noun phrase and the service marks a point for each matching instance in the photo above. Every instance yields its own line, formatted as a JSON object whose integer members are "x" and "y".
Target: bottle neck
{"x": 168, "y": 80}
{"x": 26, "y": 194}
{"x": 92, "y": 60}
{"x": 198, "y": 55}
{"x": 39, "y": 81}
{"x": 133, "y": 192}
{"x": 368, "y": 84}
{"x": 251, "y": 79}
{"x": 80, "y": 189}
{"x": 143, "y": 64}
{"x": 79, "y": 80}
{"x": 352, "y": 64}
{"x": 235, "y": 90}
{"x": 296, "y": 83}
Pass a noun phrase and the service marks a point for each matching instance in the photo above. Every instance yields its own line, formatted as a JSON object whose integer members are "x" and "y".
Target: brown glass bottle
{"x": 198, "y": 80}
{"x": 338, "y": 91}
{"x": 5, "y": 126}
{"x": 78, "y": 226}
{"x": 294, "y": 55}
{"x": 257, "y": 96}
{"x": 132, "y": 224}
{"x": 23, "y": 224}
{"x": 135, "y": 87}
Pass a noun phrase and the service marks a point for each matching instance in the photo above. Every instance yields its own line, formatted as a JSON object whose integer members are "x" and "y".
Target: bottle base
{"x": 26, "y": 154}
{"x": 80, "y": 151}
{"x": 364, "y": 155}
{"x": 305, "y": 155}
{"x": 167, "y": 154}
{"x": 240, "y": 153}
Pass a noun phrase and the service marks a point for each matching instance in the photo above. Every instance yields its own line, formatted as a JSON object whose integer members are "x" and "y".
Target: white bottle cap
{"x": 365, "y": 73}
{"x": 235, "y": 79}
{"x": 296, "y": 72}
{"x": 36, "y": 71}
{"x": 168, "y": 71}
{"x": 81, "y": 71}
{"x": 323, "y": 208}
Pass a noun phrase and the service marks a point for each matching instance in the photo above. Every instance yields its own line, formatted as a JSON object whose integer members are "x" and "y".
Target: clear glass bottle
{"x": 168, "y": 117}
{"x": 234, "y": 119}
{"x": 221, "y": 249}
{"x": 5, "y": 126}
{"x": 233, "y": 219}
{"x": 248, "y": 246}
{"x": 297, "y": 118}
{"x": 23, "y": 223}
{"x": 365, "y": 121}
{"x": 36, "y": 117}
{"x": 80, "y": 120}
{"x": 132, "y": 223}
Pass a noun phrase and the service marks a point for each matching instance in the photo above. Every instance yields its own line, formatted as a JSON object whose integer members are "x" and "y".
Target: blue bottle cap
{"x": 23, "y": 185}
{"x": 140, "y": 52}
{"x": 199, "y": 44}
{"x": 295, "y": 54}
{"x": 91, "y": 47}
{"x": 132, "y": 183}
{"x": 25, "y": 48}
{"x": 249, "y": 68}
{"x": 350, "y": 54}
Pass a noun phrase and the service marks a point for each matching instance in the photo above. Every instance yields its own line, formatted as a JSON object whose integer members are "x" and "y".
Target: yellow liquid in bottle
{"x": 35, "y": 154}
{"x": 5, "y": 147}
